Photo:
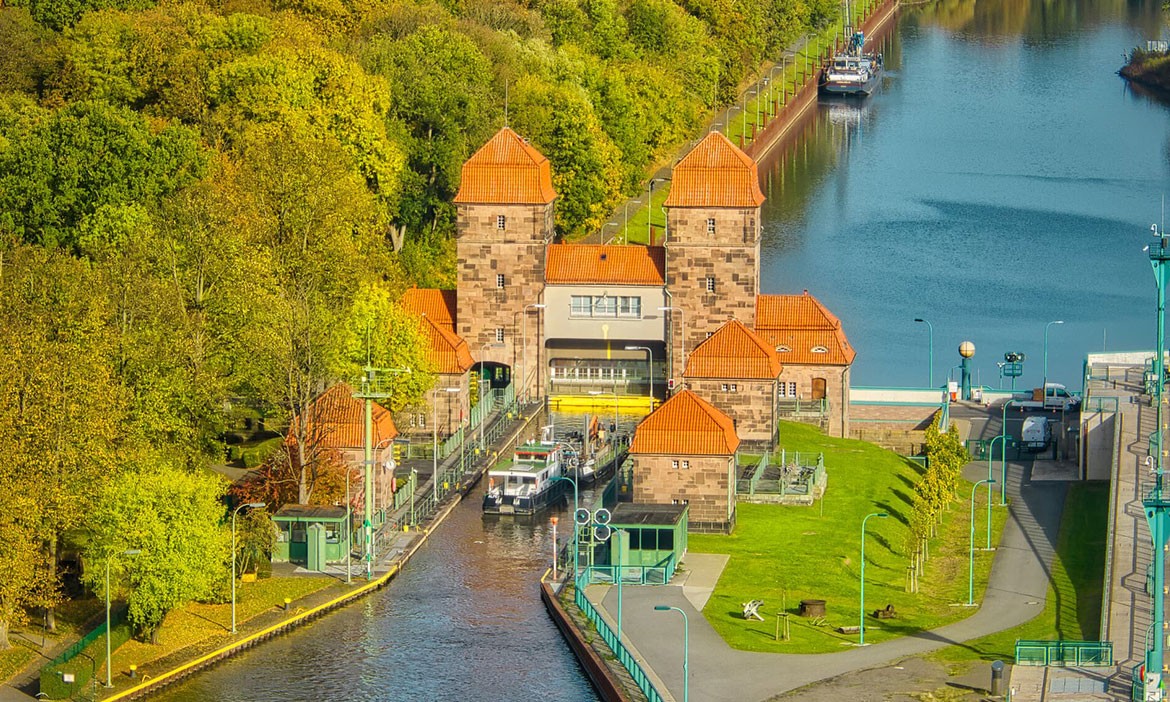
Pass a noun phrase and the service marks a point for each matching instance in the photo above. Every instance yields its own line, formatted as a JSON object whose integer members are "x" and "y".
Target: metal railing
{"x": 1081, "y": 654}
{"x": 801, "y": 407}
{"x": 619, "y": 650}
{"x": 630, "y": 574}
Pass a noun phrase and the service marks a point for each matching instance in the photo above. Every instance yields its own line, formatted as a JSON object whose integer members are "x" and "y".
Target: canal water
{"x": 1004, "y": 177}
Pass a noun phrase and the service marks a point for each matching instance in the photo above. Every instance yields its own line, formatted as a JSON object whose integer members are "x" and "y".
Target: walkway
{"x": 1015, "y": 594}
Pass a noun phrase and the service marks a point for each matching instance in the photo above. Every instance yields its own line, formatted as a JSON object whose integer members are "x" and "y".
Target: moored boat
{"x": 852, "y": 71}
{"x": 526, "y": 484}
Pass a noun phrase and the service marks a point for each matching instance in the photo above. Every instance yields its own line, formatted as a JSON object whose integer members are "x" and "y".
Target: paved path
{"x": 1016, "y": 593}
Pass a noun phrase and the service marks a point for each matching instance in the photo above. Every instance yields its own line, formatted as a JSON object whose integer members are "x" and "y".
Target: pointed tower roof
{"x": 802, "y": 330}
{"x": 734, "y": 351}
{"x": 508, "y": 171}
{"x": 715, "y": 173}
{"x": 686, "y": 425}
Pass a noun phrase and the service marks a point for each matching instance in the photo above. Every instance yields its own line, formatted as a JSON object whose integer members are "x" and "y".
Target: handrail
{"x": 637, "y": 674}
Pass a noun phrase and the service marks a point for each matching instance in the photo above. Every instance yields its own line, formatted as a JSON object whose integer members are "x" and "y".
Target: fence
{"x": 1081, "y": 654}
{"x": 53, "y": 684}
{"x": 796, "y": 474}
{"x": 619, "y": 651}
{"x": 630, "y": 574}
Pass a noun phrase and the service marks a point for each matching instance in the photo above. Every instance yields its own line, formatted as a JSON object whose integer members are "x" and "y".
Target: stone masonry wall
{"x": 518, "y": 253}
{"x": 707, "y": 485}
{"x": 836, "y": 390}
{"x": 751, "y": 406}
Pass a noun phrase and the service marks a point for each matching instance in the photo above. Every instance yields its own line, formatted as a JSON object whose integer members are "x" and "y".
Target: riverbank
{"x": 1148, "y": 69}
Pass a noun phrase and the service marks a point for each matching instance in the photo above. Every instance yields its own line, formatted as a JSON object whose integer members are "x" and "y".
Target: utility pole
{"x": 1155, "y": 502}
{"x": 374, "y": 386}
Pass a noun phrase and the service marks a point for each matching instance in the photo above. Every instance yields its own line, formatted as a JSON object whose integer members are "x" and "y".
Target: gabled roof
{"x": 802, "y": 330}
{"x": 685, "y": 425}
{"x": 449, "y": 352}
{"x": 734, "y": 351}
{"x": 598, "y": 264}
{"x": 506, "y": 170}
{"x": 715, "y": 174}
{"x": 337, "y": 420}
{"x": 436, "y": 305}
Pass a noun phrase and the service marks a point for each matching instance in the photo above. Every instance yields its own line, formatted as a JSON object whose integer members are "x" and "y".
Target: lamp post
{"x": 772, "y": 83}
{"x": 435, "y": 441}
{"x": 1002, "y": 465}
{"x": 607, "y": 224}
{"x": 524, "y": 350}
{"x": 930, "y": 360}
{"x": 743, "y": 134}
{"x": 626, "y": 221}
{"x": 576, "y": 526}
{"x": 1046, "y": 326}
{"x": 650, "y": 206}
{"x": 348, "y": 532}
{"x": 253, "y": 505}
{"x": 682, "y": 332}
{"x": 686, "y": 648}
{"x": 971, "y": 549}
{"x": 483, "y": 352}
{"x": 109, "y": 660}
{"x": 861, "y": 616}
{"x": 650, "y": 361}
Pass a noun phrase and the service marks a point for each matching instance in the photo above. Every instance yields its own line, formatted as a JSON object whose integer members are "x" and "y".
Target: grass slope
{"x": 784, "y": 554}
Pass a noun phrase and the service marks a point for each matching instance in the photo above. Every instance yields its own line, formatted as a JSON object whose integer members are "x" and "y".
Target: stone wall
{"x": 751, "y": 405}
{"x": 707, "y": 485}
{"x": 836, "y": 390}
{"x": 518, "y": 253}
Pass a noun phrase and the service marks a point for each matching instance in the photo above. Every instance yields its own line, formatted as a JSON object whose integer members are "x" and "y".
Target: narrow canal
{"x": 1003, "y": 178}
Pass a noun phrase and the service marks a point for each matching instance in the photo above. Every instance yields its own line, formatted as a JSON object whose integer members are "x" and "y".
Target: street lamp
{"x": 930, "y": 365}
{"x": 626, "y": 221}
{"x": 772, "y": 83}
{"x": 524, "y": 350}
{"x": 435, "y": 441}
{"x": 607, "y": 224}
{"x": 650, "y": 361}
{"x": 650, "y": 206}
{"x": 1046, "y": 326}
{"x": 576, "y": 526}
{"x": 686, "y": 648}
{"x": 483, "y": 352}
{"x": 743, "y": 134}
{"x": 682, "y": 331}
{"x": 254, "y": 505}
{"x": 1003, "y": 456}
{"x": 109, "y": 660}
{"x": 971, "y": 549}
{"x": 861, "y": 617}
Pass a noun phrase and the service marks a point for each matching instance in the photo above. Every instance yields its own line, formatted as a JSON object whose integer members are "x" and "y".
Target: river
{"x": 1002, "y": 178}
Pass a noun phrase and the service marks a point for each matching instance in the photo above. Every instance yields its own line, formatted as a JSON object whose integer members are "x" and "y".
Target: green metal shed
{"x": 647, "y": 541}
{"x": 311, "y": 535}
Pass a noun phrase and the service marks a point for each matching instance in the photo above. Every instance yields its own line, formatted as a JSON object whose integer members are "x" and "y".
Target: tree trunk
{"x": 5, "y": 644}
{"x": 51, "y": 612}
{"x": 397, "y": 237}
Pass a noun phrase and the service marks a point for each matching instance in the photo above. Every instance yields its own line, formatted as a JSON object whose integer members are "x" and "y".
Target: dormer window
{"x": 501, "y": 222}
{"x": 818, "y": 349}
{"x": 783, "y": 349}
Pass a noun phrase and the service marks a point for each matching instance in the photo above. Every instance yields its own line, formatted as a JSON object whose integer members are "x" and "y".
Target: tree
{"x": 175, "y": 519}
{"x": 26, "y": 578}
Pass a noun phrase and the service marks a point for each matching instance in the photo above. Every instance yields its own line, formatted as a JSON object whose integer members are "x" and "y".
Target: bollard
{"x": 996, "y": 677}
{"x": 287, "y": 602}
{"x": 133, "y": 671}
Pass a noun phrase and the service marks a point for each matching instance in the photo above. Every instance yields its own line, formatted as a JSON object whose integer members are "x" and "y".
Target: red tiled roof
{"x": 593, "y": 263}
{"x": 797, "y": 324}
{"x": 734, "y": 351}
{"x": 686, "y": 425}
{"x": 436, "y": 305}
{"x": 449, "y": 352}
{"x": 506, "y": 170}
{"x": 337, "y": 420}
{"x": 715, "y": 174}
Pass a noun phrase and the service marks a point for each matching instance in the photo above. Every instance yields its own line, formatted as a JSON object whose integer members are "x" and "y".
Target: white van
{"x": 1036, "y": 434}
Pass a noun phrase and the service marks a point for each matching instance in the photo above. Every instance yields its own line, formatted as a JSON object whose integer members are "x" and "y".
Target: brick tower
{"x": 504, "y": 221}
{"x": 713, "y": 242}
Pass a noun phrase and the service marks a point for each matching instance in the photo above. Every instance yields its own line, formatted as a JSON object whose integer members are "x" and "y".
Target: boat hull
{"x": 523, "y": 505}
{"x": 855, "y": 88}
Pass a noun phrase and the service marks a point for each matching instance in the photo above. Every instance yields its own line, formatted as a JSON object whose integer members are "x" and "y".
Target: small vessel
{"x": 852, "y": 71}
{"x": 526, "y": 484}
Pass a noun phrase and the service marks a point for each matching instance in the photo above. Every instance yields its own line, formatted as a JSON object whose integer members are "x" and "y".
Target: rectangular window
{"x": 499, "y": 334}
{"x": 686, "y": 465}
{"x": 674, "y": 465}
{"x": 630, "y": 306}
{"x": 711, "y": 225}
{"x": 499, "y": 280}
{"x": 501, "y": 222}
{"x": 734, "y": 387}
{"x": 635, "y": 539}
{"x": 605, "y": 306}
{"x": 665, "y": 539}
{"x": 724, "y": 387}
{"x": 581, "y": 306}
{"x": 787, "y": 389}
{"x": 421, "y": 419}
{"x": 709, "y": 283}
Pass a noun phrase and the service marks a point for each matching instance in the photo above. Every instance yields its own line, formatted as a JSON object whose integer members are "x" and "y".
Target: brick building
{"x": 738, "y": 372}
{"x": 684, "y": 454}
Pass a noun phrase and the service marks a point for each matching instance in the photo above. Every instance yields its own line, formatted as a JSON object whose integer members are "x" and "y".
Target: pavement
{"x": 1016, "y": 593}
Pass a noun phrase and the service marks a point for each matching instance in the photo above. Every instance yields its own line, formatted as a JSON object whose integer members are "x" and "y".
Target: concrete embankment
{"x": 604, "y": 681}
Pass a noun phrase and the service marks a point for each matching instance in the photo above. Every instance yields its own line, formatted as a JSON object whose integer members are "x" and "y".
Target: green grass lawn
{"x": 783, "y": 554}
{"x": 1073, "y": 608}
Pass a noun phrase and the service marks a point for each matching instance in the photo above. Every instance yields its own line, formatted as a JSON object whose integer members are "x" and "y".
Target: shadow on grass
{"x": 893, "y": 512}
